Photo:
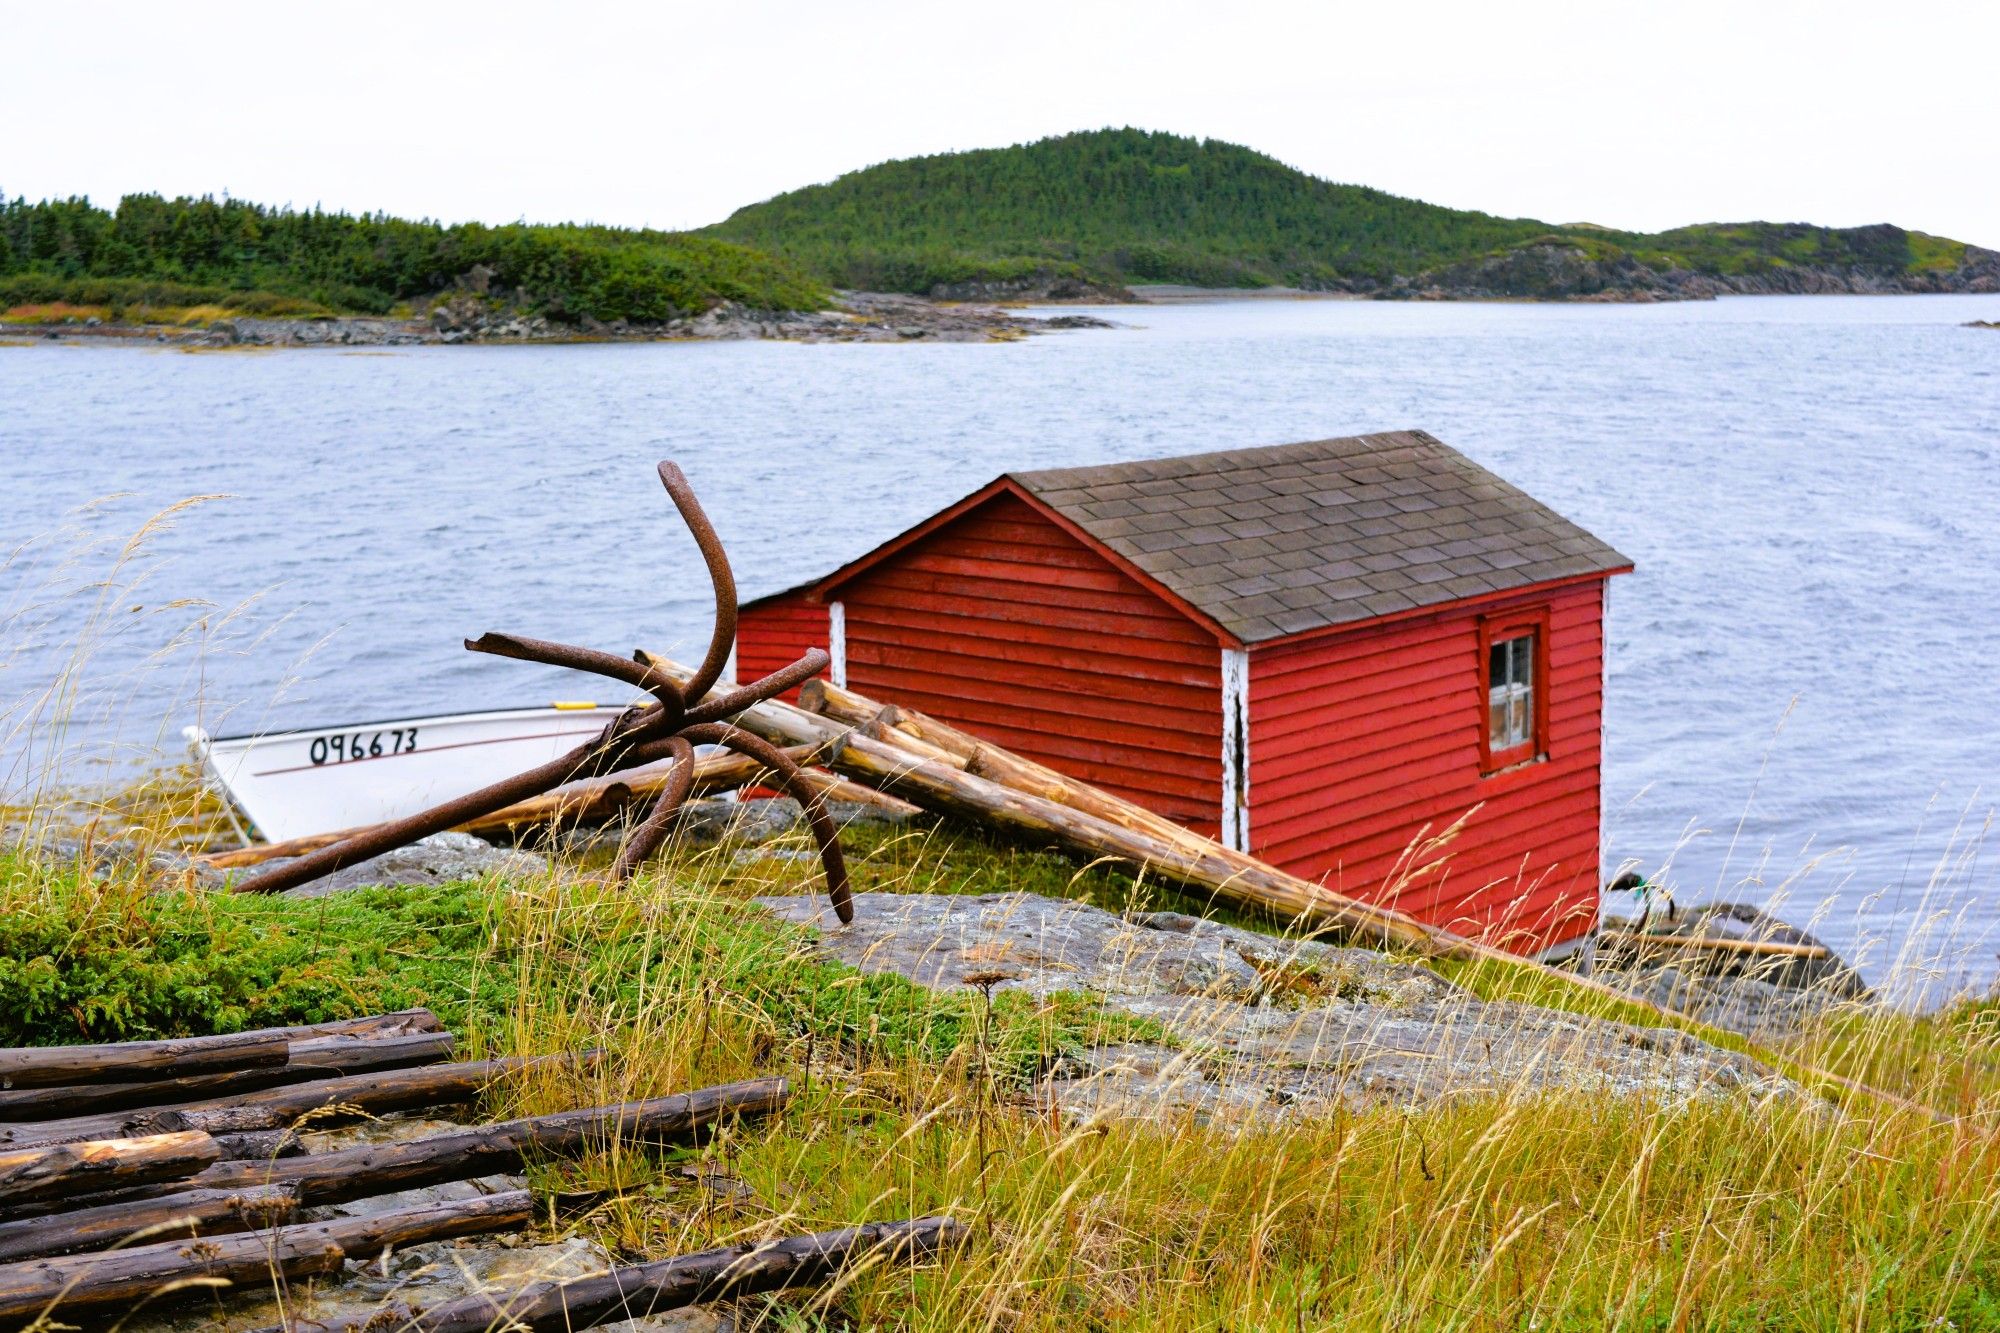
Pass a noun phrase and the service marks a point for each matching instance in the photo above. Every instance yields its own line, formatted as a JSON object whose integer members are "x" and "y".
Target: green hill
{"x": 1130, "y": 206}
{"x": 250, "y": 258}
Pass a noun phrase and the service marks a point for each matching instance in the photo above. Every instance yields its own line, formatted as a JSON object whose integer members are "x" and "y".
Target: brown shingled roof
{"x": 1276, "y": 541}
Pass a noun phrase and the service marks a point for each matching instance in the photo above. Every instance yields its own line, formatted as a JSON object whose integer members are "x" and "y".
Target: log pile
{"x": 139, "y": 1172}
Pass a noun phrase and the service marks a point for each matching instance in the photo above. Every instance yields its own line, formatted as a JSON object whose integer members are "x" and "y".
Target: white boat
{"x": 292, "y": 784}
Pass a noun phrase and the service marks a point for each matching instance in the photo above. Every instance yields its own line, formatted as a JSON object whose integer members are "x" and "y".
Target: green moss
{"x": 1935, "y": 254}
{"x": 96, "y": 963}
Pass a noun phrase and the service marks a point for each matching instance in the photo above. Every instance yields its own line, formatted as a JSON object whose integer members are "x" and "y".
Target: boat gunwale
{"x": 416, "y": 717}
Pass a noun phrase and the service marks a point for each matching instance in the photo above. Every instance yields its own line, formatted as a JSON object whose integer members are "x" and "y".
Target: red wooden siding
{"x": 775, "y": 632}
{"x": 1360, "y": 741}
{"x": 1003, "y": 623}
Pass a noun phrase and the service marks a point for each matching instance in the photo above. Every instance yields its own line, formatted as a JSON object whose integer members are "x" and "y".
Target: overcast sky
{"x": 1632, "y": 114}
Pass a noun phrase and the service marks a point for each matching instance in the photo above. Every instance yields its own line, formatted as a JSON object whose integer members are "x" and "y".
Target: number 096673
{"x": 363, "y": 745}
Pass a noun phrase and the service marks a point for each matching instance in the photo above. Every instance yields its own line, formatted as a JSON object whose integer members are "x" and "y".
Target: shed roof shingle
{"x": 1339, "y": 530}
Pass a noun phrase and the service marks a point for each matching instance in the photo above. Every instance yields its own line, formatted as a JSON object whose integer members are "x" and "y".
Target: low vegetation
{"x": 248, "y": 258}
{"x": 1130, "y": 206}
{"x": 1508, "y": 1211}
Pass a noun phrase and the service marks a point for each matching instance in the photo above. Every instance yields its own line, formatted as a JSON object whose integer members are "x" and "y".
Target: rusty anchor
{"x": 669, "y": 727}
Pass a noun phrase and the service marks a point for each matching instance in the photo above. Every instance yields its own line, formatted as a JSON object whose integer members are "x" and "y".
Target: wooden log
{"x": 949, "y": 791}
{"x": 78, "y": 1168}
{"x": 592, "y": 800}
{"x": 258, "y": 1146}
{"x": 775, "y": 720}
{"x": 126, "y": 1279}
{"x": 62, "y": 1288}
{"x": 925, "y": 735}
{"x": 831, "y": 701}
{"x": 639, "y": 1290}
{"x": 327, "y": 1101}
{"x": 188, "y": 1213}
{"x": 47, "y": 1066}
{"x": 1714, "y": 943}
{"x": 310, "y": 1059}
{"x": 131, "y": 1061}
{"x": 381, "y": 1168}
{"x": 835, "y": 788}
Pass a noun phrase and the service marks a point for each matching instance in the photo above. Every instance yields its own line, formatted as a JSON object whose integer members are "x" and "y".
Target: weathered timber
{"x": 126, "y": 1279}
{"x": 68, "y": 1287}
{"x": 849, "y": 709}
{"x": 327, "y": 1101}
{"x": 949, "y": 791}
{"x": 188, "y": 1213}
{"x": 382, "y": 1168}
{"x": 597, "y": 799}
{"x": 1664, "y": 943}
{"x": 129, "y": 1061}
{"x": 310, "y": 1059}
{"x": 77, "y": 1168}
{"x": 922, "y": 734}
{"x": 832, "y": 787}
{"x": 639, "y": 1290}
{"x": 255, "y": 1146}
{"x": 917, "y": 733}
{"x": 47, "y": 1066}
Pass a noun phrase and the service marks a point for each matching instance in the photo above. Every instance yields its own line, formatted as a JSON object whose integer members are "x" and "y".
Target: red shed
{"x": 1327, "y": 653}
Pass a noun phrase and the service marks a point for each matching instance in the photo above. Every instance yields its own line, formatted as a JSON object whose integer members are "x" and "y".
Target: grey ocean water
{"x": 1803, "y": 702}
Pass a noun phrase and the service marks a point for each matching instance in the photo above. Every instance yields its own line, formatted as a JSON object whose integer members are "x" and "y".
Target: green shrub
{"x": 266, "y": 261}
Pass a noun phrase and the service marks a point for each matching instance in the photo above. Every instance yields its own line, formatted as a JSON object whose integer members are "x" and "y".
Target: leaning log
{"x": 78, "y": 1168}
{"x": 183, "y": 1215}
{"x": 127, "y": 1279}
{"x": 640, "y": 1290}
{"x": 328, "y": 1101}
{"x": 949, "y": 791}
{"x": 310, "y": 1059}
{"x": 928, "y": 736}
{"x": 382, "y": 1168}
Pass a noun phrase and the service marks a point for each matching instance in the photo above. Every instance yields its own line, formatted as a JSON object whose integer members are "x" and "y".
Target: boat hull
{"x": 293, "y": 784}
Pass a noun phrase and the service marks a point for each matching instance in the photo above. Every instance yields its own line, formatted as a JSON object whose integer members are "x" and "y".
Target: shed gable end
{"x": 1004, "y": 623}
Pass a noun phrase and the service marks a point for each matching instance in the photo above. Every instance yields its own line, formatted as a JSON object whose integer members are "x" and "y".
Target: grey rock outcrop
{"x": 438, "y": 859}
{"x": 1261, "y": 1026}
{"x": 1761, "y": 997}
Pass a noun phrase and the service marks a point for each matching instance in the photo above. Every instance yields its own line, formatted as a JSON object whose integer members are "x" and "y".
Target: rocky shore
{"x": 468, "y": 317}
{"x": 1558, "y": 271}
{"x": 1260, "y": 1028}
{"x": 1552, "y": 270}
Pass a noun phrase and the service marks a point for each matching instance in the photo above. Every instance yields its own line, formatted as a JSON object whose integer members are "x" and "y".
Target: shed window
{"x": 1510, "y": 693}
{"x": 1514, "y": 698}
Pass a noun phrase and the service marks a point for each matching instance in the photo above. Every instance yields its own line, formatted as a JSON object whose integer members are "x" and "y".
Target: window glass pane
{"x": 1510, "y": 700}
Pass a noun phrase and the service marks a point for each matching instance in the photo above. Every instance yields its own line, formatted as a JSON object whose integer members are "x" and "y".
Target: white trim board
{"x": 836, "y": 642}
{"x": 1236, "y": 749}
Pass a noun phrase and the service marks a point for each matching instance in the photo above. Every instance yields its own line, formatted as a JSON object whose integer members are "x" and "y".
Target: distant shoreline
{"x": 858, "y": 317}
